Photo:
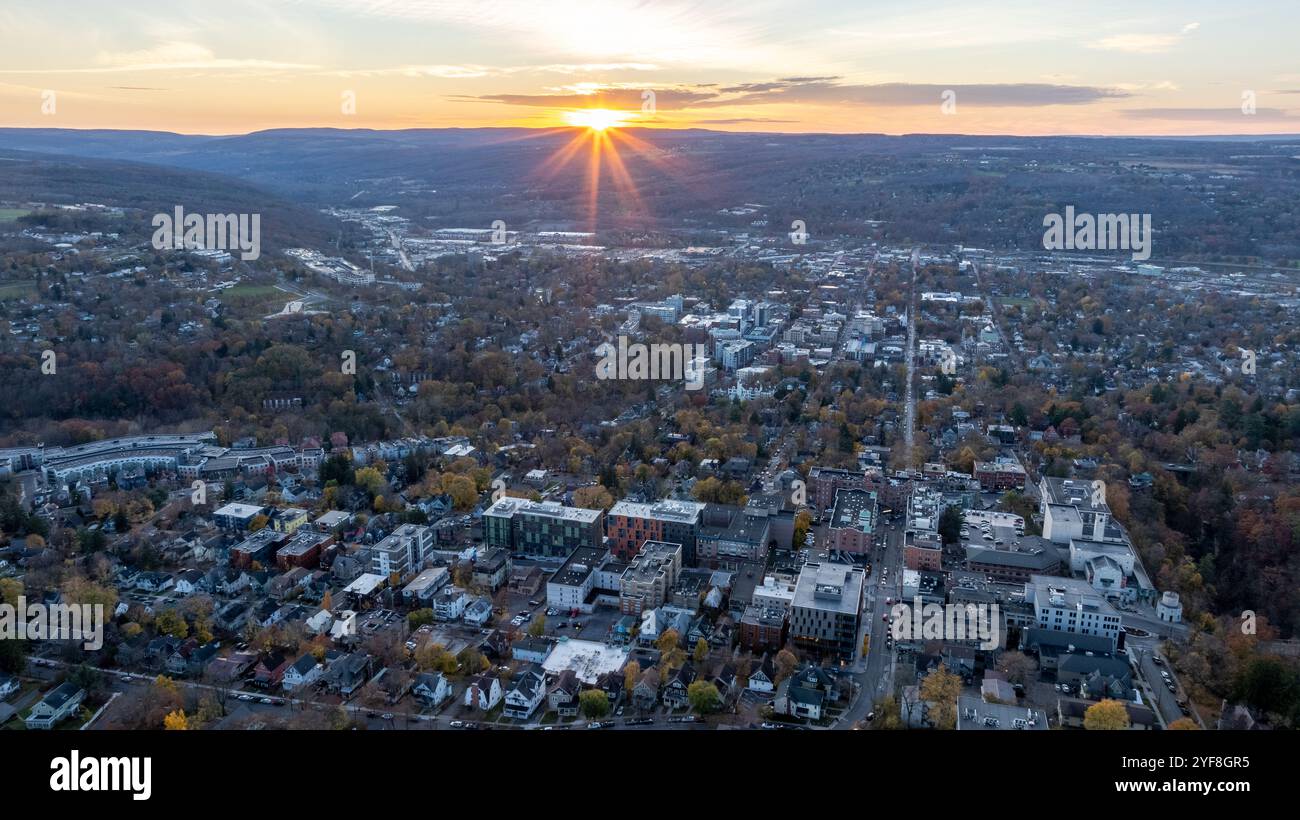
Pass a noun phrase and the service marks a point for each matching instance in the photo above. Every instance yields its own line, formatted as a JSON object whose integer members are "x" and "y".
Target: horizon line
{"x": 568, "y": 128}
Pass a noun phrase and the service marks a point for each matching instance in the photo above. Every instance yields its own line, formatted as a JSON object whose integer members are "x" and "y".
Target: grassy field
{"x": 1008, "y": 301}
{"x": 250, "y": 301}
{"x": 17, "y": 290}
{"x": 253, "y": 292}
{"x": 12, "y": 214}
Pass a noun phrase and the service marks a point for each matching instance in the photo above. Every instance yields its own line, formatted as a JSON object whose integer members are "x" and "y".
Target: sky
{"x": 912, "y": 66}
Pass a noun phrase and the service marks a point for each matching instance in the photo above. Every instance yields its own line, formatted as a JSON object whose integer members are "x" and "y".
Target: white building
{"x": 1071, "y": 605}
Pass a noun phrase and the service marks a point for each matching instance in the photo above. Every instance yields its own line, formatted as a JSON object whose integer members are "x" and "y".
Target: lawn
{"x": 17, "y": 290}
{"x": 12, "y": 214}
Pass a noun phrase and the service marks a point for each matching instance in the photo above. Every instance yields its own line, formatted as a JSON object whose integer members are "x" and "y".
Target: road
{"x": 909, "y": 408}
{"x": 875, "y": 673}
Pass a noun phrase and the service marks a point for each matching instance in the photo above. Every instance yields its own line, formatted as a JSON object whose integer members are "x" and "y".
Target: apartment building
{"x": 826, "y": 610}
{"x": 402, "y": 553}
{"x": 650, "y": 577}
{"x": 547, "y": 528}
{"x": 853, "y": 522}
{"x": 630, "y": 524}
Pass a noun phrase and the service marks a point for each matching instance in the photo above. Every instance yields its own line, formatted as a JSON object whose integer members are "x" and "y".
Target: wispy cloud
{"x": 826, "y": 91}
{"x": 1136, "y": 43}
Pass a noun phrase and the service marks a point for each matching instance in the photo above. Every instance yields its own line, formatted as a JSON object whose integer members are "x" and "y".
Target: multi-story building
{"x": 1000, "y": 475}
{"x": 629, "y": 525}
{"x": 648, "y": 579}
{"x": 402, "y": 553}
{"x": 731, "y": 537}
{"x": 853, "y": 523}
{"x": 541, "y": 528}
{"x": 762, "y": 628}
{"x": 573, "y": 585}
{"x": 236, "y": 517}
{"x": 492, "y": 569}
{"x": 1075, "y": 509}
{"x": 825, "y": 482}
{"x": 824, "y": 615}
{"x": 1072, "y": 605}
{"x": 923, "y": 551}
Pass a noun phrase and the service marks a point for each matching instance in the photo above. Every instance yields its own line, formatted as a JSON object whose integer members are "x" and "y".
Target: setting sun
{"x": 597, "y": 119}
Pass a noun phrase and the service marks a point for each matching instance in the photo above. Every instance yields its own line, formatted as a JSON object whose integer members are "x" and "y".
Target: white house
{"x": 304, "y": 671}
{"x": 483, "y": 692}
{"x": 763, "y": 679}
{"x": 432, "y": 688}
{"x": 188, "y": 582}
{"x": 58, "y": 704}
{"x": 479, "y": 612}
{"x": 450, "y": 604}
{"x": 527, "y": 691}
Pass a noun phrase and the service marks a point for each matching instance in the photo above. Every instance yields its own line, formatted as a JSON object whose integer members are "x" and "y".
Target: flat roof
{"x": 587, "y": 659}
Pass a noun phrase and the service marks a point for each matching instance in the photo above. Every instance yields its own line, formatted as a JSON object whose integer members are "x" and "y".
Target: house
{"x": 479, "y": 612}
{"x": 450, "y": 604}
{"x": 305, "y": 670}
{"x": 674, "y": 695}
{"x": 563, "y": 697}
{"x": 270, "y": 670}
{"x": 230, "y": 669}
{"x": 795, "y": 700}
{"x": 763, "y": 679}
{"x": 57, "y": 705}
{"x": 1070, "y": 713}
{"x": 189, "y": 582}
{"x": 154, "y": 582}
{"x": 483, "y": 692}
{"x": 532, "y": 650}
{"x": 432, "y": 688}
{"x": 161, "y": 649}
{"x": 612, "y": 684}
{"x": 645, "y": 695}
{"x": 348, "y": 674}
{"x": 726, "y": 681}
{"x": 527, "y": 691}
{"x": 190, "y": 658}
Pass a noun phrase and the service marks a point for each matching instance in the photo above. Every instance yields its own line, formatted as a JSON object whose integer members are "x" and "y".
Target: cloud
{"x": 820, "y": 91}
{"x": 1209, "y": 114}
{"x": 168, "y": 56}
{"x": 1144, "y": 43}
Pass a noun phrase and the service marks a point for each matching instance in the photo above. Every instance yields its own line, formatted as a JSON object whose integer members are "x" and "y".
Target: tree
{"x": 11, "y": 590}
{"x": 594, "y": 497}
{"x": 419, "y": 617}
{"x": 170, "y": 622}
{"x": 1108, "y": 714}
{"x": 1183, "y": 724}
{"x": 631, "y": 674}
{"x": 701, "y": 650}
{"x": 802, "y": 523}
{"x": 1017, "y": 666}
{"x": 593, "y": 703}
{"x": 703, "y": 697}
{"x": 939, "y": 692}
{"x": 785, "y": 661}
{"x": 538, "y": 626}
{"x": 950, "y": 525}
{"x": 176, "y": 721}
{"x": 258, "y": 522}
{"x": 887, "y": 714}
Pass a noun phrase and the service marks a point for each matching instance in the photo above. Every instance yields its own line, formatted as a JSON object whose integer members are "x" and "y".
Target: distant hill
{"x": 1211, "y": 199}
{"x": 27, "y": 177}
